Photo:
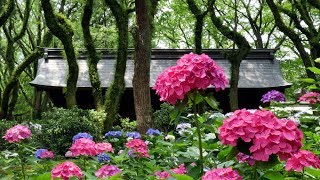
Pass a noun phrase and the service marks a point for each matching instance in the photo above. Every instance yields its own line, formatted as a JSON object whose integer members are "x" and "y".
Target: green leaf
{"x": 177, "y": 110}
{"x": 308, "y": 80}
{"x": 315, "y": 70}
{"x": 182, "y": 177}
{"x": 212, "y": 102}
{"x": 45, "y": 176}
{"x": 115, "y": 177}
{"x": 273, "y": 175}
{"x": 313, "y": 172}
{"x": 88, "y": 175}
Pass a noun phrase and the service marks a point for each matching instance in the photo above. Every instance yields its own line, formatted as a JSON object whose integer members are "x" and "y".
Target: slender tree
{"x": 145, "y": 10}
{"x": 114, "y": 92}
{"x": 198, "y": 29}
{"x": 235, "y": 57}
{"x": 93, "y": 58}
{"x": 6, "y": 12}
{"x": 62, "y": 29}
{"x": 300, "y": 13}
{"x": 8, "y": 103}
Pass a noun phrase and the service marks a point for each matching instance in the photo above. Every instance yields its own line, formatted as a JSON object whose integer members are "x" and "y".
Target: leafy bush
{"x": 60, "y": 125}
{"x": 162, "y": 118}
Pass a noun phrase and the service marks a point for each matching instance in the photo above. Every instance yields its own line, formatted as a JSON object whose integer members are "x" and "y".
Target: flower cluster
{"x": 44, "y": 154}
{"x": 17, "y": 133}
{"x": 107, "y": 171}
{"x": 86, "y": 146}
{"x": 66, "y": 170}
{"x": 311, "y": 98}
{"x": 81, "y": 135}
{"x": 302, "y": 159}
{"x": 103, "y": 157}
{"x": 184, "y": 129}
{"x": 273, "y": 95}
{"x": 113, "y": 134}
{"x": 180, "y": 169}
{"x": 103, "y": 147}
{"x": 222, "y": 173}
{"x": 244, "y": 158}
{"x": 138, "y": 146}
{"x": 263, "y": 133}
{"x": 152, "y": 132}
{"x": 192, "y": 71}
{"x": 162, "y": 174}
{"x": 133, "y": 135}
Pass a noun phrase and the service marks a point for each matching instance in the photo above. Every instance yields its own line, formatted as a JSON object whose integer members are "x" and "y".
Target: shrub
{"x": 162, "y": 118}
{"x": 60, "y": 125}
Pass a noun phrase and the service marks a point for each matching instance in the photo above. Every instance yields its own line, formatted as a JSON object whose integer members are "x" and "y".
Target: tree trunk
{"x": 235, "y": 57}
{"x": 93, "y": 58}
{"x": 294, "y": 37}
{"x": 141, "y": 77}
{"x": 13, "y": 82}
{"x": 7, "y": 10}
{"x": 115, "y": 91}
{"x": 62, "y": 29}
{"x": 198, "y": 29}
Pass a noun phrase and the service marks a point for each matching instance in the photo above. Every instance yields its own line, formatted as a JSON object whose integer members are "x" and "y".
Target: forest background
{"x": 290, "y": 26}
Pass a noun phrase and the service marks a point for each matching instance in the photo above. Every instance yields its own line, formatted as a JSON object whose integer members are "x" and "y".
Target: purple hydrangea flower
{"x": 103, "y": 157}
{"x": 81, "y": 135}
{"x": 134, "y": 135}
{"x": 39, "y": 152}
{"x": 113, "y": 134}
{"x": 273, "y": 95}
{"x": 152, "y": 131}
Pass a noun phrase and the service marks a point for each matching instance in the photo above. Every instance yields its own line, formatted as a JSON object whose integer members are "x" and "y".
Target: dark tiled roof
{"x": 258, "y": 70}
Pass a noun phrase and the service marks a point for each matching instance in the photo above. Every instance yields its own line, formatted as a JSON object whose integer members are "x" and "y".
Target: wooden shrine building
{"x": 259, "y": 73}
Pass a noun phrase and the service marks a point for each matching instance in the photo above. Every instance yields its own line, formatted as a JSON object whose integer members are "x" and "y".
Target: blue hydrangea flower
{"x": 113, "y": 134}
{"x": 103, "y": 157}
{"x": 81, "y": 135}
{"x": 273, "y": 95}
{"x": 152, "y": 131}
{"x": 134, "y": 135}
{"x": 39, "y": 152}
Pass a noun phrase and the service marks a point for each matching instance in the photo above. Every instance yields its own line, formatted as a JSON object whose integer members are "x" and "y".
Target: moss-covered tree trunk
{"x": 62, "y": 29}
{"x": 10, "y": 94}
{"x": 234, "y": 57}
{"x": 6, "y": 12}
{"x": 198, "y": 29}
{"x": 145, "y": 10}
{"x": 293, "y": 35}
{"x": 116, "y": 89}
{"x": 93, "y": 58}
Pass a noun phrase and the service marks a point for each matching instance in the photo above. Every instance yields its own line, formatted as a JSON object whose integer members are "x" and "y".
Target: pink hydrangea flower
{"x": 179, "y": 170}
{"x": 162, "y": 174}
{"x": 138, "y": 146}
{"x": 84, "y": 147}
{"x": 17, "y": 133}
{"x": 265, "y": 133}
{"x": 192, "y": 71}
{"x": 222, "y": 174}
{"x": 311, "y": 98}
{"x": 102, "y": 147}
{"x": 66, "y": 170}
{"x": 302, "y": 159}
{"x": 107, "y": 171}
{"x": 244, "y": 158}
{"x": 47, "y": 155}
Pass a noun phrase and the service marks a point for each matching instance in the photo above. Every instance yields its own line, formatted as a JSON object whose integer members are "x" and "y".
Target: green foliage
{"x": 60, "y": 125}
{"x": 162, "y": 118}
